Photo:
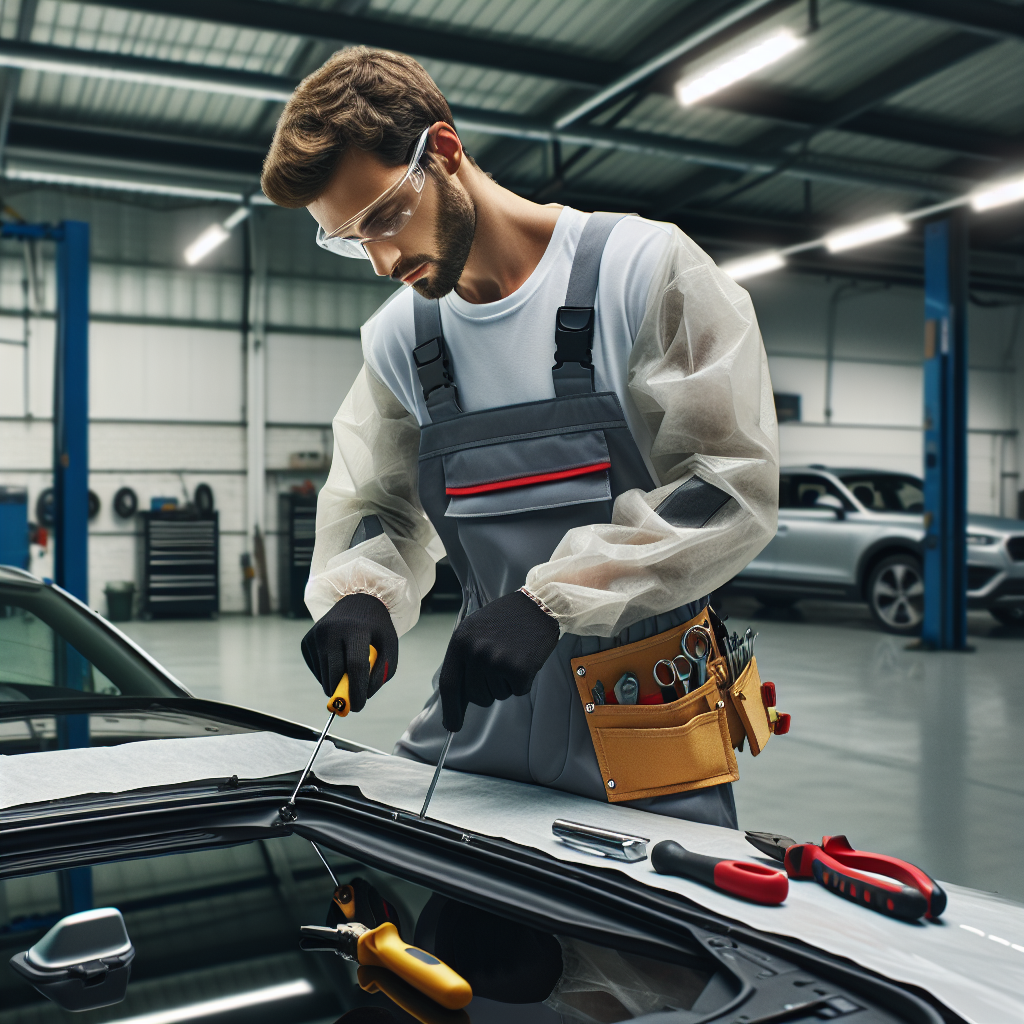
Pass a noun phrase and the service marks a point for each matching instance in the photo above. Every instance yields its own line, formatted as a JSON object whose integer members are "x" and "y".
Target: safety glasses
{"x": 384, "y": 217}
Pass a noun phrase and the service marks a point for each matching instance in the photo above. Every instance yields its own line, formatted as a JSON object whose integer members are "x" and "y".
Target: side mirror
{"x": 83, "y": 962}
{"x": 832, "y": 502}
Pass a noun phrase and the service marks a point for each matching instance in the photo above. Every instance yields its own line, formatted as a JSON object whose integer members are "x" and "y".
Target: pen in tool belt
{"x": 834, "y": 862}
{"x": 339, "y": 705}
{"x": 755, "y": 882}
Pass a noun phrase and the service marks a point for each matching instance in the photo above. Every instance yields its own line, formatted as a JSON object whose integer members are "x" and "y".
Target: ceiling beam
{"x": 803, "y": 111}
{"x": 495, "y": 123}
{"x": 985, "y": 17}
{"x": 338, "y": 27}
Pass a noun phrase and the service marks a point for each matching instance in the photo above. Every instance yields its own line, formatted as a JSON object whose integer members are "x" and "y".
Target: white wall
{"x": 877, "y": 381}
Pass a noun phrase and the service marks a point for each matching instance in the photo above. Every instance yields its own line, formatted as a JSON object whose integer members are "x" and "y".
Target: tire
{"x": 895, "y": 594}
{"x": 1009, "y": 616}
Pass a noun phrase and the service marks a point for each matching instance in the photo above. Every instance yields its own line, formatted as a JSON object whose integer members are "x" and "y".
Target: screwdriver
{"x": 437, "y": 772}
{"x": 339, "y": 705}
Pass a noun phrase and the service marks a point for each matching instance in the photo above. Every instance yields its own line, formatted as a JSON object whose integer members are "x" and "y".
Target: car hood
{"x": 996, "y": 523}
{"x": 972, "y": 959}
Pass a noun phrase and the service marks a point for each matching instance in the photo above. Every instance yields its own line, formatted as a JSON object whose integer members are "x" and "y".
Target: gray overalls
{"x": 502, "y": 487}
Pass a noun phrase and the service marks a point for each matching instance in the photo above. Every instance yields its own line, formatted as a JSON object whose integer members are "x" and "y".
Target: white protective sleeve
{"x": 699, "y": 376}
{"x": 374, "y": 472}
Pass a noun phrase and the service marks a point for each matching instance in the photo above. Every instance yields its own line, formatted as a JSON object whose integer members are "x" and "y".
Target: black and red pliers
{"x": 835, "y": 864}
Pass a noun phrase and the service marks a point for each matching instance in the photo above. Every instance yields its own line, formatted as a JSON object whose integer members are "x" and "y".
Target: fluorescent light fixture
{"x": 210, "y": 1007}
{"x": 91, "y": 66}
{"x": 742, "y": 65}
{"x": 214, "y": 235}
{"x": 751, "y": 266}
{"x": 866, "y": 233}
{"x": 999, "y": 194}
{"x": 120, "y": 185}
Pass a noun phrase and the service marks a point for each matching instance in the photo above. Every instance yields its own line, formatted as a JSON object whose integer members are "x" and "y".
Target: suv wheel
{"x": 896, "y": 594}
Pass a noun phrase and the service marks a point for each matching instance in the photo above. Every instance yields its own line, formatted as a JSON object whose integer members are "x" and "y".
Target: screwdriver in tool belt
{"x": 339, "y": 705}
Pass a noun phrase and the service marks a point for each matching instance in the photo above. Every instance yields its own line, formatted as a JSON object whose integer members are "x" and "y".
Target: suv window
{"x": 802, "y": 490}
{"x": 886, "y": 492}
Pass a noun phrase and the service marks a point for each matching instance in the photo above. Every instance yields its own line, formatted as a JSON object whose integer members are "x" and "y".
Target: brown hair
{"x": 374, "y": 100}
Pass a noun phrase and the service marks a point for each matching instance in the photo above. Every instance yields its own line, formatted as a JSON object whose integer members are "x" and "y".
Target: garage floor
{"x": 914, "y": 754}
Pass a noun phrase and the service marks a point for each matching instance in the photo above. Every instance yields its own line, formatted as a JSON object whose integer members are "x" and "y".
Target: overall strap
{"x": 573, "y": 372}
{"x": 432, "y": 363}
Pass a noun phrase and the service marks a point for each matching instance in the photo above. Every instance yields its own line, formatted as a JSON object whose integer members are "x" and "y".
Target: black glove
{"x": 340, "y": 642}
{"x": 493, "y": 654}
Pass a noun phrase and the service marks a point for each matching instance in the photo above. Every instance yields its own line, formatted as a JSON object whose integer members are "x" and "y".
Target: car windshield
{"x": 885, "y": 492}
{"x": 51, "y": 648}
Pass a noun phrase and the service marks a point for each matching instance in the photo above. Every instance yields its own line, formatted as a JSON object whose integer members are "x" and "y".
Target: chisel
{"x": 437, "y": 774}
{"x": 339, "y": 705}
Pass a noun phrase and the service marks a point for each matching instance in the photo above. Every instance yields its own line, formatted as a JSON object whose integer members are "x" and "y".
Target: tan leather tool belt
{"x": 646, "y": 750}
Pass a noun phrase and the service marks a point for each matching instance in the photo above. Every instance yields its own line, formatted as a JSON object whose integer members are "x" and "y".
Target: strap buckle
{"x": 435, "y": 373}
{"x": 573, "y": 372}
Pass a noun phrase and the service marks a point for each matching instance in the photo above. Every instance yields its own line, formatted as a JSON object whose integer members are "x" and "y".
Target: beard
{"x": 453, "y": 234}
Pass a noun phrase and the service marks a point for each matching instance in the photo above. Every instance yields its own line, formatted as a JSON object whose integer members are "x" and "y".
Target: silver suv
{"x": 857, "y": 534}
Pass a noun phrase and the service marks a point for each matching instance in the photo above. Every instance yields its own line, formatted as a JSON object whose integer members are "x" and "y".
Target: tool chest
{"x": 180, "y": 563}
{"x": 296, "y": 516}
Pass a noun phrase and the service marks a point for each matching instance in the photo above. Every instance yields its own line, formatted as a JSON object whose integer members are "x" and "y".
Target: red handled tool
{"x": 755, "y": 882}
{"x": 834, "y": 863}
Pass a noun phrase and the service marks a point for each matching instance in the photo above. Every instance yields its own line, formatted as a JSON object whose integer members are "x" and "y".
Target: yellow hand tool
{"x": 339, "y": 705}
{"x": 384, "y": 947}
{"x": 417, "y": 1005}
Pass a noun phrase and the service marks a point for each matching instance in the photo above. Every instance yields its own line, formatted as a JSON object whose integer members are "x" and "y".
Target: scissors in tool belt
{"x": 834, "y": 863}
{"x": 697, "y": 648}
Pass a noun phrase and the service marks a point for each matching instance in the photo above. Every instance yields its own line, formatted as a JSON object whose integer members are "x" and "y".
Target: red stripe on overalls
{"x": 523, "y": 481}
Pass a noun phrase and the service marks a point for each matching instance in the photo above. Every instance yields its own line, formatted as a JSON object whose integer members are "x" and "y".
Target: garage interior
{"x": 148, "y": 121}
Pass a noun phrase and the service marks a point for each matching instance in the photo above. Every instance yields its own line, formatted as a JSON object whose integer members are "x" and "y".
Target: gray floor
{"x": 908, "y": 753}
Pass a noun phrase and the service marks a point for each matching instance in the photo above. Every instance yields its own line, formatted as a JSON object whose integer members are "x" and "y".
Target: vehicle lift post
{"x": 70, "y": 472}
{"x": 945, "y": 433}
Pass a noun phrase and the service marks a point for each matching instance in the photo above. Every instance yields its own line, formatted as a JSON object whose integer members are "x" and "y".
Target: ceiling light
{"x": 742, "y": 65}
{"x": 864, "y": 234}
{"x": 751, "y": 266}
{"x": 1000, "y": 194}
{"x": 209, "y": 1007}
{"x": 214, "y": 235}
{"x": 119, "y": 185}
{"x": 91, "y": 66}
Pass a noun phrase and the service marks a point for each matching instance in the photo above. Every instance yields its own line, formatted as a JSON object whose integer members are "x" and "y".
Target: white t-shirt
{"x": 502, "y": 352}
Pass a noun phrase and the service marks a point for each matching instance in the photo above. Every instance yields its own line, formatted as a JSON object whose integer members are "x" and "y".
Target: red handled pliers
{"x": 835, "y": 864}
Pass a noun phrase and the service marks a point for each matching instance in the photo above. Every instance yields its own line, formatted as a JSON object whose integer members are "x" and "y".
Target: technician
{"x": 575, "y": 408}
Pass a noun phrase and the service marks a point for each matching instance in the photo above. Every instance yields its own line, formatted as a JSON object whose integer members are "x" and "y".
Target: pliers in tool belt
{"x": 835, "y": 864}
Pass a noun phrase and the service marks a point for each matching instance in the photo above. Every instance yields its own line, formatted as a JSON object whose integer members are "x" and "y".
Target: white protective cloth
{"x": 691, "y": 375}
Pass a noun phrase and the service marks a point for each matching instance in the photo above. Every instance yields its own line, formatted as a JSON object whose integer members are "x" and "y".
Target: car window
{"x": 886, "y": 492}
{"x": 32, "y": 655}
{"x": 802, "y": 490}
{"x": 53, "y": 648}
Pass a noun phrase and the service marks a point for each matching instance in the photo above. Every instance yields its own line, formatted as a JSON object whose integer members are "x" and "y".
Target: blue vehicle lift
{"x": 70, "y": 473}
{"x": 945, "y": 433}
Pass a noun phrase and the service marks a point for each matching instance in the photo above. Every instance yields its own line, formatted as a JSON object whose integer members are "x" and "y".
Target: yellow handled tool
{"x": 417, "y": 1005}
{"x": 384, "y": 947}
{"x": 339, "y": 705}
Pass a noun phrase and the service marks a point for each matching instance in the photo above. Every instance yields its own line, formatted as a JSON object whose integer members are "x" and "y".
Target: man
{"x": 586, "y": 506}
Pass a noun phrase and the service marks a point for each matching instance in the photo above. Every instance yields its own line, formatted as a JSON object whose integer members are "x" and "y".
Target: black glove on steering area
{"x": 493, "y": 654}
{"x": 340, "y": 642}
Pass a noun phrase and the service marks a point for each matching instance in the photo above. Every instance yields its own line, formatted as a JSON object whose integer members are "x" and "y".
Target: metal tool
{"x": 339, "y": 705}
{"x": 437, "y": 774}
{"x": 600, "y": 841}
{"x": 755, "y": 882}
{"x": 383, "y": 947}
{"x": 665, "y": 676}
{"x": 697, "y": 646}
{"x": 833, "y": 863}
{"x": 627, "y": 689}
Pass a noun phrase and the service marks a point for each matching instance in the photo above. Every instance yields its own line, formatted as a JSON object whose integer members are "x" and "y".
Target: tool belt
{"x": 646, "y": 750}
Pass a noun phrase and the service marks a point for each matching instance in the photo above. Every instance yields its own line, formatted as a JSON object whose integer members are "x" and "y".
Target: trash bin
{"x": 119, "y": 600}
